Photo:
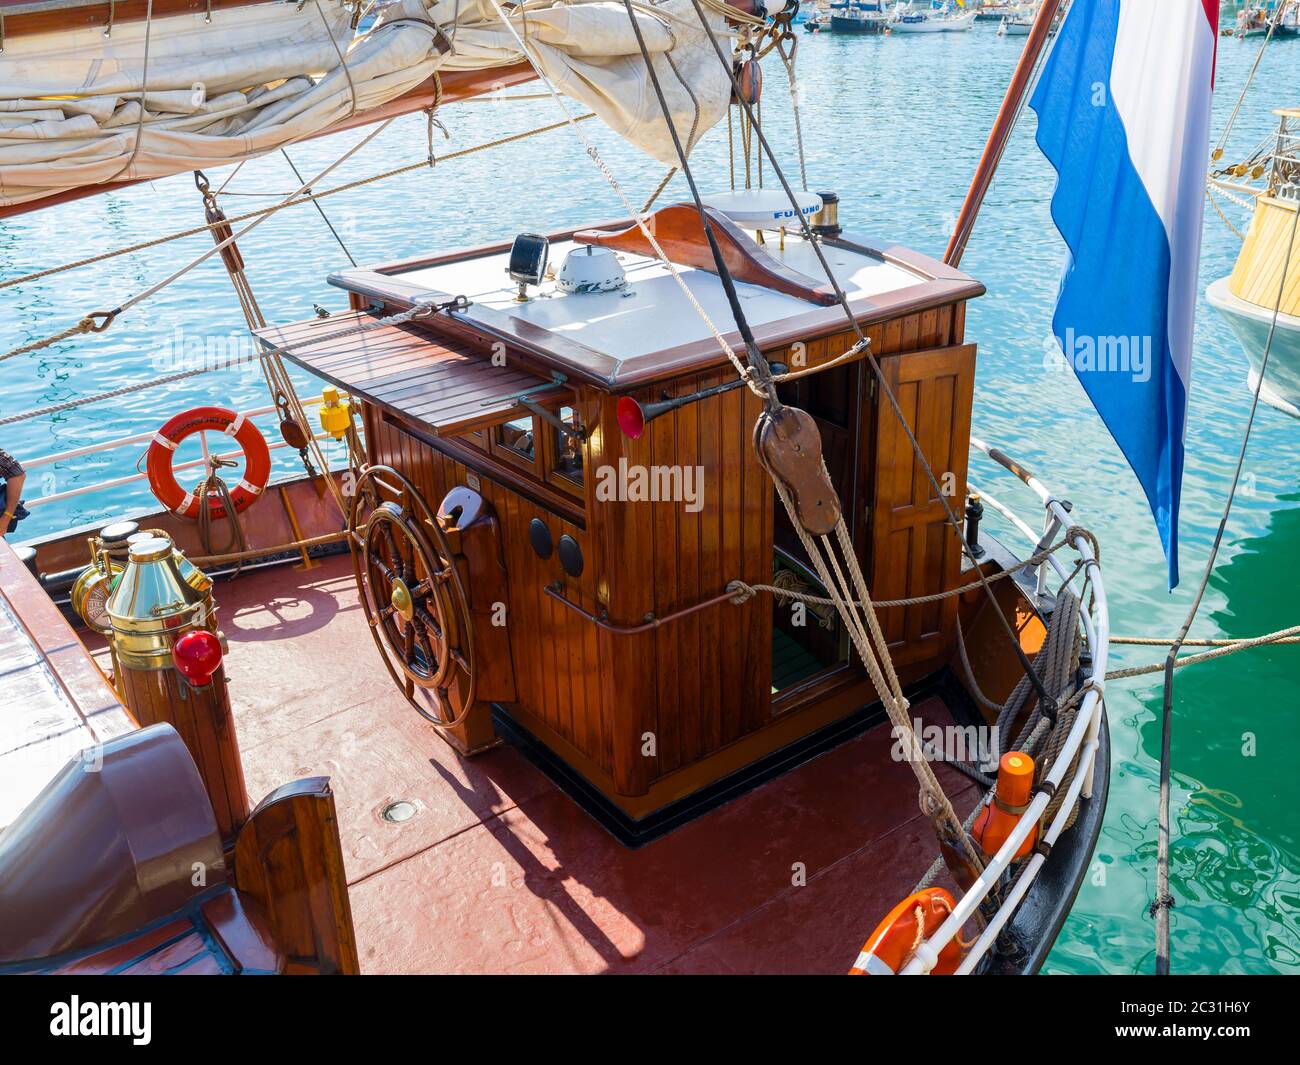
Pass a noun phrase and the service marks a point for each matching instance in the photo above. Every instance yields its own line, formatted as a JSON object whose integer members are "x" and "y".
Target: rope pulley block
{"x": 221, "y": 231}
{"x": 162, "y": 451}
{"x": 749, "y": 78}
{"x": 789, "y": 445}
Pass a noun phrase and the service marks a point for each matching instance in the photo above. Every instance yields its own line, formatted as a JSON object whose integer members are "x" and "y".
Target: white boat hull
{"x": 1251, "y": 324}
{"x": 935, "y": 25}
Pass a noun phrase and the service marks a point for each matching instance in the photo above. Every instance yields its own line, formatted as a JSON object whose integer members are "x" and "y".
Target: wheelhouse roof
{"x": 649, "y": 331}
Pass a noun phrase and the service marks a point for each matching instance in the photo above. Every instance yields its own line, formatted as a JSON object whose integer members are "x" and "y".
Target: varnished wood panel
{"x": 202, "y": 717}
{"x": 915, "y": 551}
{"x": 642, "y": 707}
{"x": 442, "y": 384}
{"x": 289, "y": 859}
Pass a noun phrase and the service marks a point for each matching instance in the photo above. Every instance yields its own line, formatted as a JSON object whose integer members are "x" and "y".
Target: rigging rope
{"x": 110, "y": 316}
{"x": 1164, "y": 900}
{"x": 882, "y": 383}
{"x": 292, "y": 202}
{"x": 417, "y": 311}
{"x": 321, "y": 211}
{"x": 745, "y": 591}
{"x": 1250, "y": 77}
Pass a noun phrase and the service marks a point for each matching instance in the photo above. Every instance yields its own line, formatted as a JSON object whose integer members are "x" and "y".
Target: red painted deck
{"x": 499, "y": 871}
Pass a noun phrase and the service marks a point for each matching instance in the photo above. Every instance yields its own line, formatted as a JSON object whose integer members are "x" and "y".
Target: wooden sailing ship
{"x": 593, "y": 562}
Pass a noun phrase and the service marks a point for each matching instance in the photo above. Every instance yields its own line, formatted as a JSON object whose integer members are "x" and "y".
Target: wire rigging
{"x": 1164, "y": 901}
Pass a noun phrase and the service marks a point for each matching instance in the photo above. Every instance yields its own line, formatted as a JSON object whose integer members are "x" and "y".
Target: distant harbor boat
{"x": 995, "y": 12}
{"x": 859, "y": 16}
{"x": 1248, "y": 297}
{"x": 939, "y": 20}
{"x": 1283, "y": 19}
{"x": 1016, "y": 26}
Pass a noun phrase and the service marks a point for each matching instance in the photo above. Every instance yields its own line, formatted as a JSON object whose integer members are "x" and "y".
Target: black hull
{"x": 857, "y": 26}
{"x": 1029, "y": 935}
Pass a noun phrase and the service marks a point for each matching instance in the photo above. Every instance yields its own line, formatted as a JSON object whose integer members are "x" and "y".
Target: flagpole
{"x": 1001, "y": 131}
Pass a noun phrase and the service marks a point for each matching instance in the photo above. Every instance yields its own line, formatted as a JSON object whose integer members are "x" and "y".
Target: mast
{"x": 1001, "y": 131}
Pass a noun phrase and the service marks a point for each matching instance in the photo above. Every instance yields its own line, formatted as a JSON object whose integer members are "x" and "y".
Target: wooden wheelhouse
{"x": 597, "y": 625}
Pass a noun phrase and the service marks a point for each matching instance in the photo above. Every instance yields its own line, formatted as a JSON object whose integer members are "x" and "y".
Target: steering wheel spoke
{"x": 412, "y": 596}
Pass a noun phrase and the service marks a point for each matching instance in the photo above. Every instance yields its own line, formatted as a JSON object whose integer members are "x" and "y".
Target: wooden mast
{"x": 1000, "y": 132}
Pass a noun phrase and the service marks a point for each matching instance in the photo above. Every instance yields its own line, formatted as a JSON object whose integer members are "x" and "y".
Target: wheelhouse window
{"x": 568, "y": 446}
{"x": 519, "y": 436}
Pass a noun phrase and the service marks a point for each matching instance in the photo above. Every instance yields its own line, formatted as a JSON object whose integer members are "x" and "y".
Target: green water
{"x": 895, "y": 126}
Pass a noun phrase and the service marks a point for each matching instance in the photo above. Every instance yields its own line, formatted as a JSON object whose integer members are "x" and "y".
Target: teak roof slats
{"x": 438, "y": 382}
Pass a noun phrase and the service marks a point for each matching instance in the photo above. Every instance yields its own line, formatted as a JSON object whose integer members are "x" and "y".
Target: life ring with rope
{"x": 900, "y": 933}
{"x": 162, "y": 477}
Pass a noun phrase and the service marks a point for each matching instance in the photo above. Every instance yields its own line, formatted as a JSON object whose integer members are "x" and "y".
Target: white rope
{"x": 152, "y": 290}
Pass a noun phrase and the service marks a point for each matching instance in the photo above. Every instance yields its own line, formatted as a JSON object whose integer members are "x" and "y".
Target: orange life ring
{"x": 162, "y": 479}
{"x": 890, "y": 945}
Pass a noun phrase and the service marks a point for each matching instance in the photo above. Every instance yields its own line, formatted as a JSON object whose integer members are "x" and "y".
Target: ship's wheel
{"x": 412, "y": 595}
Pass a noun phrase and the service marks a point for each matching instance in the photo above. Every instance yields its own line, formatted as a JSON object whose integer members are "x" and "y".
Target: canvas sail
{"x": 80, "y": 109}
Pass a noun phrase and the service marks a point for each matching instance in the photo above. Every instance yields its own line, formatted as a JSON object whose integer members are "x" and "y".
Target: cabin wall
{"x": 642, "y": 714}
{"x": 697, "y": 684}
{"x": 553, "y": 649}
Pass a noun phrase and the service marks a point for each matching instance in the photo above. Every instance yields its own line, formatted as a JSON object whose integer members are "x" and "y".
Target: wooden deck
{"x": 498, "y": 871}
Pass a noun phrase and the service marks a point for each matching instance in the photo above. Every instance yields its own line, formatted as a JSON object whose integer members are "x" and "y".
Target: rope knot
{"x": 740, "y": 592}
{"x": 1164, "y": 902}
{"x": 1079, "y": 530}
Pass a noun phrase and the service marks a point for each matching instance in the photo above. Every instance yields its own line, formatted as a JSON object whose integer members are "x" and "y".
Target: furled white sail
{"x": 259, "y": 77}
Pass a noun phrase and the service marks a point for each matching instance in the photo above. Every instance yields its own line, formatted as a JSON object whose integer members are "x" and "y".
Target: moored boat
{"x": 859, "y": 16}
{"x": 941, "y": 19}
{"x": 1260, "y": 299}
{"x": 1277, "y": 20}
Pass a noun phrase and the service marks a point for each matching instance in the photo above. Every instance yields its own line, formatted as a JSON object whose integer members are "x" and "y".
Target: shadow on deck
{"x": 499, "y": 871}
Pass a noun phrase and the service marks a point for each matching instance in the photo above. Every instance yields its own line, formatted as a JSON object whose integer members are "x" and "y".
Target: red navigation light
{"x": 631, "y": 418}
{"x": 197, "y": 656}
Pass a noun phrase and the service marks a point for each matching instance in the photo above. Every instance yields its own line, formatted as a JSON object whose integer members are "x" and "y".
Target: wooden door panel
{"x": 914, "y": 550}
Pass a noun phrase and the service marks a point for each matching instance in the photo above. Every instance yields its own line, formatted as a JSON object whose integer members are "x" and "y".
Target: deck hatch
{"x": 437, "y": 382}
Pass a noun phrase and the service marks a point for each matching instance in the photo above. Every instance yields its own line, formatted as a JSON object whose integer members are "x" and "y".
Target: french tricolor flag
{"x": 1123, "y": 107}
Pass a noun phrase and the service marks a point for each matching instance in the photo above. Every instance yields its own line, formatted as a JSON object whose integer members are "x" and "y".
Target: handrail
{"x": 136, "y": 438}
{"x": 1082, "y": 742}
{"x": 122, "y": 441}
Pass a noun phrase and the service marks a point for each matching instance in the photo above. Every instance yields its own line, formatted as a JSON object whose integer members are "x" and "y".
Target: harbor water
{"x": 895, "y": 126}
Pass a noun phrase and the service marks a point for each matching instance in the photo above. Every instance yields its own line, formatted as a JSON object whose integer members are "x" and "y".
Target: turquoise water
{"x": 895, "y": 126}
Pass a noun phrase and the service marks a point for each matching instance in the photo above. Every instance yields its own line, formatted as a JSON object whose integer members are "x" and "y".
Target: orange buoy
{"x": 1011, "y": 796}
{"x": 895, "y": 938}
{"x": 162, "y": 478}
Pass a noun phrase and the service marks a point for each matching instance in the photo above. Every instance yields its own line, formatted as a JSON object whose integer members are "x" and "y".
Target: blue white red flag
{"x": 1123, "y": 107}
